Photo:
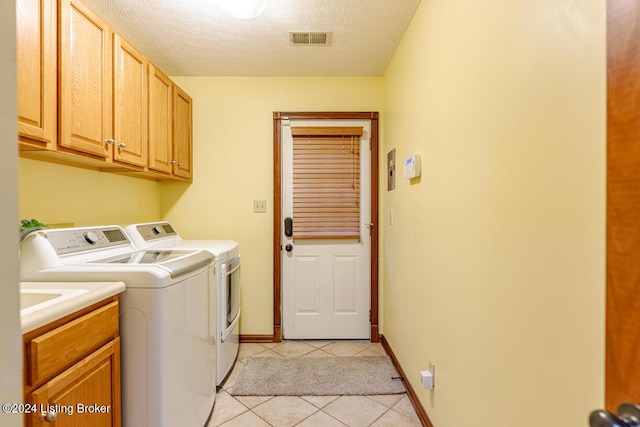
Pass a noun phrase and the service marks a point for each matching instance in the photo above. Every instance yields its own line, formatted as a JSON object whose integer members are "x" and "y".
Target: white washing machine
{"x": 167, "y": 317}
{"x": 227, "y": 259}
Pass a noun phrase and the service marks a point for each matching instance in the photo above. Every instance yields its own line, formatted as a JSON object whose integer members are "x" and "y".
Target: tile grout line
{"x": 381, "y": 415}
{"x": 308, "y": 348}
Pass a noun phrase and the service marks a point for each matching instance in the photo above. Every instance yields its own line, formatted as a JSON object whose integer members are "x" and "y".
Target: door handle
{"x": 289, "y": 247}
{"x": 628, "y": 416}
{"x": 288, "y": 226}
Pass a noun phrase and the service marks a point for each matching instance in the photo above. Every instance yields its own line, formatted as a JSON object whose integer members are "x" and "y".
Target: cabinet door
{"x": 129, "y": 103}
{"x": 94, "y": 383}
{"x": 160, "y": 112}
{"x": 85, "y": 80}
{"x": 36, "y": 60}
{"x": 182, "y": 137}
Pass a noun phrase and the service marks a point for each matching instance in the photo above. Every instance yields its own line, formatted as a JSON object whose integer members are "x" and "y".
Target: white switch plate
{"x": 432, "y": 368}
{"x": 259, "y": 206}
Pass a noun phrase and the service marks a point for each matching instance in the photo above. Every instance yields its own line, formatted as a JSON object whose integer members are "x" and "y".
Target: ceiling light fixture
{"x": 243, "y": 9}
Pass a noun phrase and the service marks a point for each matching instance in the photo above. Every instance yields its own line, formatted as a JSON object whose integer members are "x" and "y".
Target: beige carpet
{"x": 317, "y": 376}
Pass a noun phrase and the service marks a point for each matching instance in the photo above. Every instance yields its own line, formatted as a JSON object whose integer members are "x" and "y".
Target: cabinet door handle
{"x": 179, "y": 164}
{"x": 122, "y": 145}
{"x": 173, "y": 162}
{"x": 110, "y": 141}
{"x": 49, "y": 416}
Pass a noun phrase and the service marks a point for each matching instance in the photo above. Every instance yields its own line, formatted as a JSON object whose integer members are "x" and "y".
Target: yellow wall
{"x": 494, "y": 267}
{"x": 233, "y": 165}
{"x": 55, "y": 194}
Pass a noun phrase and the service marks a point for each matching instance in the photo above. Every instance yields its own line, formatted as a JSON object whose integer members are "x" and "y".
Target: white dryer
{"x": 167, "y": 317}
{"x": 227, "y": 260}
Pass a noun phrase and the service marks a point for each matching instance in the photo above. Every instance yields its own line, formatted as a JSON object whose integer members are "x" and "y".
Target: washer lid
{"x": 143, "y": 257}
{"x": 175, "y": 261}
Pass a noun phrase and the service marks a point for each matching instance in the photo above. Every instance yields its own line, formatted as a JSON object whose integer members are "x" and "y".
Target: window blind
{"x": 326, "y": 182}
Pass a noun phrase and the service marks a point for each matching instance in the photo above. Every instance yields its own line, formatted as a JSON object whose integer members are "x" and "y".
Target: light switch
{"x": 259, "y": 206}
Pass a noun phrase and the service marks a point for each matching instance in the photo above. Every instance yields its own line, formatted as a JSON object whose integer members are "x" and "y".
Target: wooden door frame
{"x": 278, "y": 117}
{"x": 622, "y": 203}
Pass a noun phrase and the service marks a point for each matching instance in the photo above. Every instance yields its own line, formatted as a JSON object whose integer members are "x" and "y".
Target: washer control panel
{"x": 67, "y": 241}
{"x": 156, "y": 230}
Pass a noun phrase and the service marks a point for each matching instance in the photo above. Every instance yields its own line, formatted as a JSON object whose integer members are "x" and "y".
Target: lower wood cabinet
{"x": 72, "y": 369}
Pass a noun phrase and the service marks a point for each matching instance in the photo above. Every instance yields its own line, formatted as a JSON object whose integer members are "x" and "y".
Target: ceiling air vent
{"x": 306, "y": 38}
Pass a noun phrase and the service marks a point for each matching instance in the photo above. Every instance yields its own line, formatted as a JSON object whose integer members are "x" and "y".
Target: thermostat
{"x": 412, "y": 167}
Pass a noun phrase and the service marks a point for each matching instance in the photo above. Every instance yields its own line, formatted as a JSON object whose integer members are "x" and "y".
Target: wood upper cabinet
{"x": 182, "y": 134}
{"x": 130, "y": 119}
{"x": 170, "y": 127}
{"x": 88, "y": 98}
{"x": 99, "y": 115}
{"x": 85, "y": 80}
{"x": 36, "y": 59}
{"x": 160, "y": 123}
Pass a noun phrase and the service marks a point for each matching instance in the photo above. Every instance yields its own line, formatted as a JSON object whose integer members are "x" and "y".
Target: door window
{"x": 326, "y": 182}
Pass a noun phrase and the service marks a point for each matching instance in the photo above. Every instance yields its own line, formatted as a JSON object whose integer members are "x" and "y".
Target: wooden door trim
{"x": 278, "y": 116}
{"x": 623, "y": 205}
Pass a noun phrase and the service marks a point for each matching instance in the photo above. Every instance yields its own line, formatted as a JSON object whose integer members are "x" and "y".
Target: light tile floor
{"x": 309, "y": 411}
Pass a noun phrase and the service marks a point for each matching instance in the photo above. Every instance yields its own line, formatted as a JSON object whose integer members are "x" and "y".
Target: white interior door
{"x": 326, "y": 282}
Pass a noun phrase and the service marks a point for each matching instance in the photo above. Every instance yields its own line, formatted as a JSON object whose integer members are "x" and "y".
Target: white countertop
{"x": 65, "y": 298}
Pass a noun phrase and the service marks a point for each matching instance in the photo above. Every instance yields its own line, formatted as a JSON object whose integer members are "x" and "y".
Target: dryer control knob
{"x": 91, "y": 237}
{"x": 156, "y": 230}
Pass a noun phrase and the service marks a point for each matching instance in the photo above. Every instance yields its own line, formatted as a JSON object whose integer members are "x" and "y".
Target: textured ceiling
{"x": 195, "y": 38}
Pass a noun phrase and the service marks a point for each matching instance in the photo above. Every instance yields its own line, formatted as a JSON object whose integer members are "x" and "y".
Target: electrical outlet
{"x": 428, "y": 377}
{"x": 259, "y": 206}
